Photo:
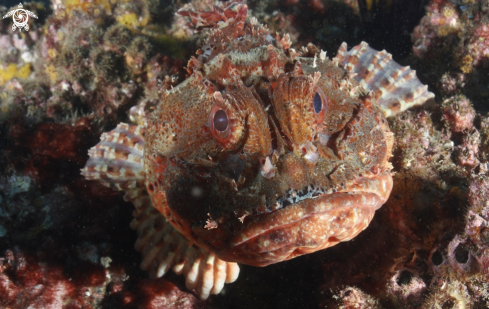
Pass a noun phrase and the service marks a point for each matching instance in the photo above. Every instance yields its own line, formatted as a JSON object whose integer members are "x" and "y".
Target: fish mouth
{"x": 308, "y": 225}
{"x": 245, "y": 228}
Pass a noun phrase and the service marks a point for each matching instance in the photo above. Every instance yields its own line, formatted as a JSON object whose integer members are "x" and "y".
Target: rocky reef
{"x": 450, "y": 45}
{"x": 85, "y": 66}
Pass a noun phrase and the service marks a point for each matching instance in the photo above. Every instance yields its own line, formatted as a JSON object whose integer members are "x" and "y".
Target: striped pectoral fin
{"x": 395, "y": 88}
{"x": 117, "y": 160}
{"x": 163, "y": 247}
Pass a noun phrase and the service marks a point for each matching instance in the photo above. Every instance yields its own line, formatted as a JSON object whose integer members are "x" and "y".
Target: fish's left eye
{"x": 320, "y": 105}
{"x": 220, "y": 124}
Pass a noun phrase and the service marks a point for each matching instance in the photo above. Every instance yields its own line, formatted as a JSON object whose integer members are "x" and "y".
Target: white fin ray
{"x": 164, "y": 248}
{"x": 395, "y": 88}
{"x": 117, "y": 161}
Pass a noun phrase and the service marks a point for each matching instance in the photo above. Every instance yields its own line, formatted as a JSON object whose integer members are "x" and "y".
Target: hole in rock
{"x": 449, "y": 304}
{"x": 484, "y": 235}
{"x": 461, "y": 254}
{"x": 436, "y": 258}
{"x": 404, "y": 278}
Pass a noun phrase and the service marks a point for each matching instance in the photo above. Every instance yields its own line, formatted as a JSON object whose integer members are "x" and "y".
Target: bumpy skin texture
{"x": 298, "y": 163}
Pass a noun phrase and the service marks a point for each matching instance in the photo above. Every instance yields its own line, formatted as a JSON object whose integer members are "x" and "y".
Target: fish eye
{"x": 221, "y": 121}
{"x": 320, "y": 104}
{"x": 220, "y": 124}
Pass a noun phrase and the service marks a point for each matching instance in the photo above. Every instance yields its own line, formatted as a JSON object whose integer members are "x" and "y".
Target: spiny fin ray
{"x": 163, "y": 247}
{"x": 395, "y": 88}
{"x": 118, "y": 162}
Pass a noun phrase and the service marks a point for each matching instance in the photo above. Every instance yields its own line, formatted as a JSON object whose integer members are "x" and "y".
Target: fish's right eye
{"x": 221, "y": 121}
{"x": 220, "y": 124}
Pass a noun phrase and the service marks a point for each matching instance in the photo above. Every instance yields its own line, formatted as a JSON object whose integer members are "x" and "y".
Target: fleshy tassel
{"x": 117, "y": 162}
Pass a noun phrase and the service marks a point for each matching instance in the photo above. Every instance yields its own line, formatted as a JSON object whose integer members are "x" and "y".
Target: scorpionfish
{"x": 262, "y": 154}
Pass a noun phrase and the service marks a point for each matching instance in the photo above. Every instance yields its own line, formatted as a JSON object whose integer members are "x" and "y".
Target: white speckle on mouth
{"x": 197, "y": 192}
{"x": 210, "y": 223}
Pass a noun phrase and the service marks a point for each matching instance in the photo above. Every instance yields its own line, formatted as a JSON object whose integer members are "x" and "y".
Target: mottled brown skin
{"x": 200, "y": 177}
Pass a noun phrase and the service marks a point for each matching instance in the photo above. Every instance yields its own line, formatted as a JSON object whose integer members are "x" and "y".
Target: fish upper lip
{"x": 292, "y": 197}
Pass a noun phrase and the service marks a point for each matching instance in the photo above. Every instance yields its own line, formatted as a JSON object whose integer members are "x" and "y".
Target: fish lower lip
{"x": 309, "y": 225}
{"x": 305, "y": 227}
{"x": 331, "y": 206}
{"x": 367, "y": 192}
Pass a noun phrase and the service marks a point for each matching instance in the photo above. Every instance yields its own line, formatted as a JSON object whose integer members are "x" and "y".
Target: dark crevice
{"x": 461, "y": 254}
{"x": 436, "y": 258}
{"x": 405, "y": 277}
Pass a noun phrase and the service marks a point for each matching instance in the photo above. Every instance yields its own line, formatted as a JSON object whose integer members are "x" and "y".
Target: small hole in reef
{"x": 404, "y": 278}
{"x": 484, "y": 235}
{"x": 461, "y": 254}
{"x": 436, "y": 258}
{"x": 448, "y": 304}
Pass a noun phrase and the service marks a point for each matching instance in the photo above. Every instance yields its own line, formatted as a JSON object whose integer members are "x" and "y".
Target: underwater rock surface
{"x": 83, "y": 67}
